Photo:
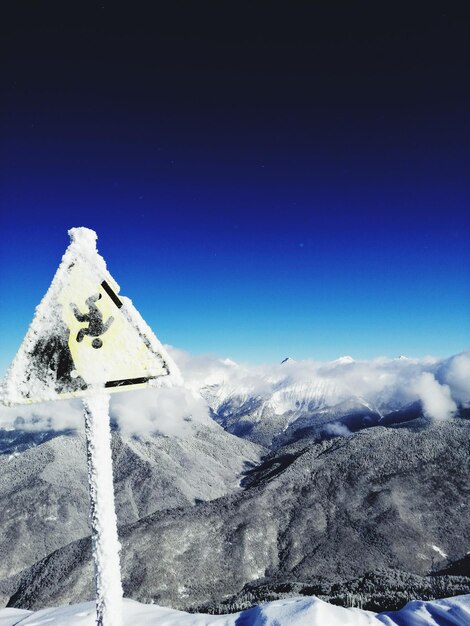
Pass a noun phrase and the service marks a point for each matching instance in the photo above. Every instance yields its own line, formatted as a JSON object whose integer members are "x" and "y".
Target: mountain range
{"x": 44, "y": 494}
{"x": 310, "y": 513}
{"x": 277, "y": 407}
{"x": 297, "y": 478}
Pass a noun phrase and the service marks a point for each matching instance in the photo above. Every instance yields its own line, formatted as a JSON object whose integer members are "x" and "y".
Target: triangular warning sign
{"x": 85, "y": 337}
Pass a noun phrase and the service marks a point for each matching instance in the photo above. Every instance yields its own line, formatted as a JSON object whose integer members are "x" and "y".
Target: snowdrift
{"x": 289, "y": 612}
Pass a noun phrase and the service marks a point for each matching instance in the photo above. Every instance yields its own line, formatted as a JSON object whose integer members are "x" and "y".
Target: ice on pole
{"x": 87, "y": 341}
{"x": 105, "y": 543}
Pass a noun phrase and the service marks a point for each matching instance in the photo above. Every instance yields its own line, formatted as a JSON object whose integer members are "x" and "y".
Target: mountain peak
{"x": 345, "y": 359}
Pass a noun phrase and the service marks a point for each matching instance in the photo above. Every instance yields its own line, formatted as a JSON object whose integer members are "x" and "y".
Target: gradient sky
{"x": 263, "y": 182}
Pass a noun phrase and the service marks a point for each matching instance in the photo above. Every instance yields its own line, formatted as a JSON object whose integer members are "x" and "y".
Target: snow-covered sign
{"x": 86, "y": 340}
{"x": 84, "y": 336}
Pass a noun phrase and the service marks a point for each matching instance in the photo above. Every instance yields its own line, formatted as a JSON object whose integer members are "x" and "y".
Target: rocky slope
{"x": 331, "y": 511}
{"x": 44, "y": 493}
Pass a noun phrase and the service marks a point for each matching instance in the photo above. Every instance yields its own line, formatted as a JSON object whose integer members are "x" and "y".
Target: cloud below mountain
{"x": 440, "y": 384}
{"x": 456, "y": 373}
{"x": 168, "y": 411}
{"x": 60, "y": 415}
{"x": 436, "y": 398}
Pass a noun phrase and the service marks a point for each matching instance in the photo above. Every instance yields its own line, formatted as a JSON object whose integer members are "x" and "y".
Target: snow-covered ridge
{"x": 269, "y": 404}
{"x": 289, "y": 612}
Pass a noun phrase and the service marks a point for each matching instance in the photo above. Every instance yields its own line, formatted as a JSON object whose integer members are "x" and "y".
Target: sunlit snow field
{"x": 289, "y": 612}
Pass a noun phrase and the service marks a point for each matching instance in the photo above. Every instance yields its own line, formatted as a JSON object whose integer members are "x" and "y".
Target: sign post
{"x": 103, "y": 520}
{"x": 87, "y": 341}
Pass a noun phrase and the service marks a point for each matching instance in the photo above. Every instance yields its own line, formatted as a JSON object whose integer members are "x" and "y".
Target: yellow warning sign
{"x": 84, "y": 336}
{"x": 106, "y": 348}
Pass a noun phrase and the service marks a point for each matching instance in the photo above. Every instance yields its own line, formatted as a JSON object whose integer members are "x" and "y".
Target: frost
{"x": 83, "y": 336}
{"x": 103, "y": 516}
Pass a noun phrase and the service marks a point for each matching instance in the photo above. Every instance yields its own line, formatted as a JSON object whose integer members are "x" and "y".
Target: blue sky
{"x": 252, "y": 202}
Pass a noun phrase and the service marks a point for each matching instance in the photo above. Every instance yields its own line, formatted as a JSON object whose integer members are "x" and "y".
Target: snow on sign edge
{"x": 44, "y": 368}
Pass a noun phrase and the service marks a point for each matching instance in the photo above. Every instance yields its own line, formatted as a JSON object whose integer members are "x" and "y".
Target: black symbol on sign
{"x": 94, "y": 317}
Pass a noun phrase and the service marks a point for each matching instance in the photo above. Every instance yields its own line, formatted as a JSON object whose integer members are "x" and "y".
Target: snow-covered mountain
{"x": 199, "y": 527}
{"x": 273, "y": 405}
{"x": 44, "y": 494}
{"x": 316, "y": 518}
{"x": 275, "y": 417}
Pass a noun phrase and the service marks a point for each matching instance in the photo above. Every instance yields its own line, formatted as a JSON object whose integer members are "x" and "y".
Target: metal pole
{"x": 102, "y": 513}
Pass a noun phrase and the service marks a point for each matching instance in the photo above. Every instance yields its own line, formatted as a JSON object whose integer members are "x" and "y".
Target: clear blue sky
{"x": 257, "y": 196}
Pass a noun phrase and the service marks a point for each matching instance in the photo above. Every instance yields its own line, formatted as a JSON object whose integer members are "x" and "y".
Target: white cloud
{"x": 340, "y": 379}
{"x": 436, "y": 398}
{"x": 60, "y": 415}
{"x": 169, "y": 411}
{"x": 385, "y": 383}
{"x": 337, "y": 429}
{"x": 456, "y": 373}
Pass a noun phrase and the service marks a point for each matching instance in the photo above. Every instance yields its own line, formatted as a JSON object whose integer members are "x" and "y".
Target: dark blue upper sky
{"x": 263, "y": 181}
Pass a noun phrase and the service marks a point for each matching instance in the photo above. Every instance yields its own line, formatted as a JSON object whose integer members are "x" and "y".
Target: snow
{"x": 344, "y": 360}
{"x": 104, "y": 523}
{"x": 439, "y": 551}
{"x": 302, "y": 611}
{"x": 448, "y": 612}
